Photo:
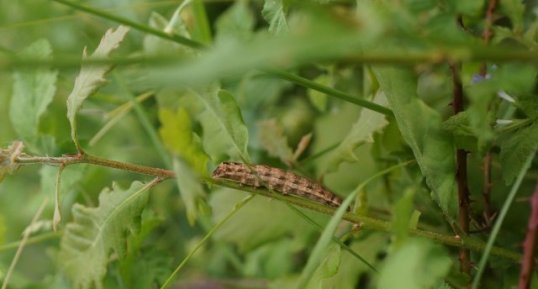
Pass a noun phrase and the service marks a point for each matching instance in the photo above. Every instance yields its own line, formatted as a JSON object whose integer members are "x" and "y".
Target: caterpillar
{"x": 284, "y": 182}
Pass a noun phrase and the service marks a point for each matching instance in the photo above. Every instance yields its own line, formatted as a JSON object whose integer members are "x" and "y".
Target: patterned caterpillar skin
{"x": 281, "y": 181}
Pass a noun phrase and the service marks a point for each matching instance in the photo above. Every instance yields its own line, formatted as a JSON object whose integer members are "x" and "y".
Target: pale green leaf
{"x": 418, "y": 264}
{"x": 328, "y": 268}
{"x": 515, "y": 10}
{"x": 91, "y": 77}
{"x": 319, "y": 99}
{"x": 403, "y": 212}
{"x": 237, "y": 22}
{"x": 33, "y": 91}
{"x": 515, "y": 149}
{"x": 243, "y": 229}
{"x": 362, "y": 132}
{"x": 225, "y": 135}
{"x": 421, "y": 128}
{"x": 273, "y": 139}
{"x": 178, "y": 137}
{"x": 274, "y": 12}
{"x": 191, "y": 190}
{"x": 96, "y": 232}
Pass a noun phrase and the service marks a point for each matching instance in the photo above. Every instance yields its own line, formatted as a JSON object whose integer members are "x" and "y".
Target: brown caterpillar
{"x": 284, "y": 182}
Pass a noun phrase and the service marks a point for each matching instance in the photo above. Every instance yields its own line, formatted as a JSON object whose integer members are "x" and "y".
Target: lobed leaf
{"x": 91, "y": 77}
{"x": 33, "y": 91}
{"x": 88, "y": 241}
{"x": 421, "y": 128}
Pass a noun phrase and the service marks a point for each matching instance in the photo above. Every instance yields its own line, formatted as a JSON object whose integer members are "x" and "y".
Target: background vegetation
{"x": 422, "y": 114}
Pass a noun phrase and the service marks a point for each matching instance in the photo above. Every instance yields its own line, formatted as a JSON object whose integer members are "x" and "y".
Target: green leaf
{"x": 421, "y": 128}
{"x": 236, "y": 23}
{"x": 243, "y": 229}
{"x": 319, "y": 99}
{"x": 515, "y": 149}
{"x": 273, "y": 139}
{"x": 403, "y": 213}
{"x": 417, "y": 264}
{"x": 88, "y": 241}
{"x": 320, "y": 250}
{"x": 328, "y": 267}
{"x": 2, "y": 230}
{"x": 91, "y": 77}
{"x": 191, "y": 190}
{"x": 33, "y": 91}
{"x": 178, "y": 137}
{"x": 154, "y": 45}
{"x": 362, "y": 132}
{"x": 515, "y": 10}
{"x": 274, "y": 12}
{"x": 225, "y": 135}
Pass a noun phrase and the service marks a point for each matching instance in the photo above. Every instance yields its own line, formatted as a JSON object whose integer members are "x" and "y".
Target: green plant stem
{"x": 138, "y": 26}
{"x": 206, "y": 237}
{"x": 330, "y": 91}
{"x": 22, "y": 244}
{"x": 365, "y": 221}
{"x": 498, "y": 223}
{"x": 32, "y": 240}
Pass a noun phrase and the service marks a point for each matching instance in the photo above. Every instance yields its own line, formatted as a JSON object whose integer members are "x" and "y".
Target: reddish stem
{"x": 461, "y": 171}
{"x": 529, "y": 245}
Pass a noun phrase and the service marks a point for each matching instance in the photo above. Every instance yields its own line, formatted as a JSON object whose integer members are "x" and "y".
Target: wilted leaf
{"x": 273, "y": 139}
{"x": 418, "y": 264}
{"x": 8, "y": 158}
{"x": 33, "y": 91}
{"x": 421, "y": 128}
{"x": 91, "y": 77}
{"x": 94, "y": 233}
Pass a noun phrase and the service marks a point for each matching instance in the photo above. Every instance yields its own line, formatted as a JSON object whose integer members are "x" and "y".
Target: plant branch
{"x": 529, "y": 246}
{"x": 461, "y": 171}
{"x": 365, "y": 221}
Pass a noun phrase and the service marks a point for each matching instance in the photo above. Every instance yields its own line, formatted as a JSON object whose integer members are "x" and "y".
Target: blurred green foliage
{"x": 187, "y": 108}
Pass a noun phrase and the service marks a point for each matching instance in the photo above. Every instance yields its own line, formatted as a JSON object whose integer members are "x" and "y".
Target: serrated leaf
{"x": 274, "y": 12}
{"x": 91, "y": 77}
{"x": 515, "y": 149}
{"x": 191, "y": 189}
{"x": 273, "y": 139}
{"x": 95, "y": 232}
{"x": 178, "y": 137}
{"x": 417, "y": 264}
{"x": 362, "y": 132}
{"x": 225, "y": 135}
{"x": 33, "y": 91}
{"x": 421, "y": 128}
{"x": 237, "y": 22}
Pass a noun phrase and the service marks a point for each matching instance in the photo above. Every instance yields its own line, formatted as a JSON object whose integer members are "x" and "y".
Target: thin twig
{"x": 22, "y": 244}
{"x": 461, "y": 171}
{"x": 529, "y": 246}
